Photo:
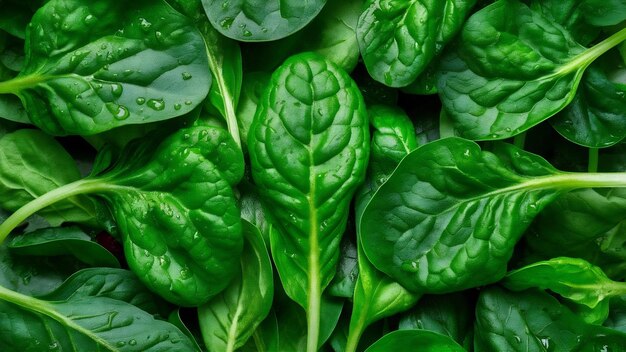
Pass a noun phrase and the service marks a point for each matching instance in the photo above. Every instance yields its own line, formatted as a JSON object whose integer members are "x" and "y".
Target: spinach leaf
{"x": 344, "y": 282}
{"x": 308, "y": 150}
{"x": 427, "y": 341}
{"x": 594, "y": 118}
{"x": 230, "y": 318}
{"x": 450, "y": 315}
{"x": 118, "y": 284}
{"x": 506, "y": 75}
{"x": 398, "y": 39}
{"x": 57, "y": 241}
{"x": 30, "y": 324}
{"x": 26, "y": 173}
{"x": 251, "y": 91}
{"x": 95, "y": 65}
{"x": 181, "y": 185}
{"x": 572, "y": 278}
{"x": 451, "y": 213}
{"x": 249, "y": 20}
{"x": 535, "y": 321}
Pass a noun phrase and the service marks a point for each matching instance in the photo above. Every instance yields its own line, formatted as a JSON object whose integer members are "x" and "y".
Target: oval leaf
{"x": 95, "y": 65}
{"x": 427, "y": 341}
{"x": 449, "y": 216}
{"x": 230, "y": 318}
{"x": 249, "y": 20}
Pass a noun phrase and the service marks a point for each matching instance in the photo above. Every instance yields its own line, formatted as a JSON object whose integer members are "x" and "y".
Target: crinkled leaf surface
{"x": 308, "y": 149}
{"x": 595, "y": 118}
{"x": 175, "y": 207}
{"x": 254, "y": 20}
{"x": 95, "y": 65}
{"x": 449, "y": 216}
{"x": 511, "y": 69}
{"x": 230, "y": 318}
{"x": 26, "y": 172}
{"x": 535, "y": 321}
{"x": 398, "y": 39}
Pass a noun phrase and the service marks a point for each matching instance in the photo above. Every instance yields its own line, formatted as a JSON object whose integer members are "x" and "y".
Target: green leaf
{"x": 451, "y": 315}
{"x": 393, "y": 138}
{"x": 594, "y": 118}
{"x": 265, "y": 337}
{"x": 572, "y": 278}
{"x": 506, "y": 76}
{"x": 30, "y": 324}
{"x": 175, "y": 208}
{"x": 249, "y": 20}
{"x": 347, "y": 270}
{"x": 427, "y": 341}
{"x": 118, "y": 284}
{"x": 34, "y": 275}
{"x": 535, "y": 321}
{"x": 57, "y": 241}
{"x": 449, "y": 216}
{"x": 95, "y": 65}
{"x": 230, "y": 318}
{"x": 308, "y": 150}
{"x": 11, "y": 109}
{"x": 26, "y": 172}
{"x": 398, "y": 39}
{"x": 176, "y": 319}
{"x": 254, "y": 84}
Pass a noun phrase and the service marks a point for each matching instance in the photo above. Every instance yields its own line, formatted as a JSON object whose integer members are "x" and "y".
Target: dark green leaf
{"x": 308, "y": 149}
{"x": 118, "y": 284}
{"x": 398, "y": 39}
{"x": 95, "y": 65}
{"x": 535, "y": 321}
{"x": 449, "y": 216}
{"x": 427, "y": 341}
{"x": 230, "y": 318}
{"x": 505, "y": 75}
{"x": 27, "y": 172}
{"x": 57, "y": 241}
{"x": 347, "y": 271}
{"x": 249, "y": 20}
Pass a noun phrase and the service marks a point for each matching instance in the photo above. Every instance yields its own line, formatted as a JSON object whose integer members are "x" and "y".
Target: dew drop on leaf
{"x": 186, "y": 76}
{"x": 156, "y": 104}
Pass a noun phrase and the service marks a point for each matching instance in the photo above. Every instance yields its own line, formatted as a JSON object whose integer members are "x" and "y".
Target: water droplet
{"x": 467, "y": 153}
{"x": 263, "y": 29}
{"x": 105, "y": 67}
{"x": 517, "y": 339}
{"x": 495, "y": 135}
{"x": 146, "y": 253}
{"x": 247, "y": 33}
{"x": 132, "y": 342}
{"x": 188, "y": 102}
{"x": 196, "y": 235}
{"x": 156, "y": 104}
{"x": 186, "y": 76}
{"x": 53, "y": 345}
{"x": 145, "y": 25}
{"x": 177, "y": 106}
{"x": 508, "y": 129}
{"x": 140, "y": 101}
{"x": 121, "y": 344}
{"x": 89, "y": 19}
{"x": 119, "y": 112}
{"x": 545, "y": 341}
{"x": 159, "y": 36}
{"x": 225, "y": 4}
{"x": 621, "y": 94}
{"x": 116, "y": 89}
{"x": 226, "y": 22}
{"x": 185, "y": 274}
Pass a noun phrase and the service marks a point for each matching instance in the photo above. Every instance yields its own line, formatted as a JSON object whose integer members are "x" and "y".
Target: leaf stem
{"x": 520, "y": 140}
{"x": 357, "y": 326}
{"x": 83, "y": 186}
{"x": 586, "y": 57}
{"x": 15, "y": 85}
{"x": 592, "y": 165}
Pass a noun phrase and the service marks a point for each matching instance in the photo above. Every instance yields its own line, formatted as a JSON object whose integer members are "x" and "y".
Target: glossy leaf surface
{"x": 181, "y": 186}
{"x": 231, "y": 317}
{"x": 535, "y": 321}
{"x": 253, "y": 20}
{"x": 398, "y": 39}
{"x": 427, "y": 341}
{"x": 505, "y": 76}
{"x": 26, "y": 173}
{"x": 308, "y": 149}
{"x": 57, "y": 241}
{"x": 449, "y": 216}
{"x": 95, "y": 65}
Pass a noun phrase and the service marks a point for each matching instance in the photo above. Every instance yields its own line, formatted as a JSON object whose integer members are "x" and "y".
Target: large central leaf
{"x": 308, "y": 149}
